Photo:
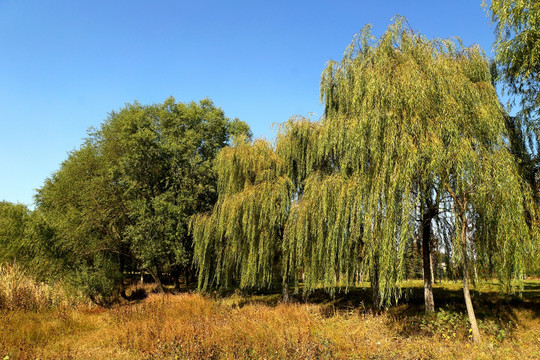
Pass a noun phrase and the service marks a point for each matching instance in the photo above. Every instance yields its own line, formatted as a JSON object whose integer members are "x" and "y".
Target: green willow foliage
{"x": 517, "y": 64}
{"x": 336, "y": 199}
{"x": 240, "y": 240}
{"x": 419, "y": 111}
{"x": 517, "y": 49}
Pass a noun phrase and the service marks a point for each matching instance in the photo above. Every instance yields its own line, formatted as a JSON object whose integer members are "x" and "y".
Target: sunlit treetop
{"x": 517, "y": 49}
{"x": 335, "y": 198}
{"x": 402, "y": 114}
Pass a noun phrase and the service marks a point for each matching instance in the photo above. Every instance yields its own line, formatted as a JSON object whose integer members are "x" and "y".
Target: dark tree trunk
{"x": 285, "y": 297}
{"x": 426, "y": 259}
{"x": 433, "y": 269}
{"x": 122, "y": 285}
{"x": 427, "y": 217}
{"x": 175, "y": 274}
{"x": 187, "y": 277}
{"x": 155, "y": 275}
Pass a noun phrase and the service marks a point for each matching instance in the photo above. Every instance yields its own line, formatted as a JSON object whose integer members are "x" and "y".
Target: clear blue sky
{"x": 64, "y": 65}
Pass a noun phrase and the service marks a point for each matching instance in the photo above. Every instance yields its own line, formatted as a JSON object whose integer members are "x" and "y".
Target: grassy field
{"x": 239, "y": 326}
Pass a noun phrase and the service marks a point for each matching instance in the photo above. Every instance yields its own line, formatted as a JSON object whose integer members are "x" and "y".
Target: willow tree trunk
{"x": 176, "y": 275}
{"x": 285, "y": 297}
{"x": 122, "y": 285}
{"x": 426, "y": 257}
{"x": 187, "y": 278}
{"x": 466, "y": 292}
{"x": 375, "y": 293}
{"x": 433, "y": 269}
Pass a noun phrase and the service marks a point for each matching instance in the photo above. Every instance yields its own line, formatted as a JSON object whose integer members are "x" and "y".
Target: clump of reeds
{"x": 19, "y": 290}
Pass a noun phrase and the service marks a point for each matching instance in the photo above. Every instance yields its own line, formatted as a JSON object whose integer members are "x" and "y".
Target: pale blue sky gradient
{"x": 64, "y": 65}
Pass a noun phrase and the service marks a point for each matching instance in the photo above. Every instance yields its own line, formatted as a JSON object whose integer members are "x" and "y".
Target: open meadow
{"x": 257, "y": 326}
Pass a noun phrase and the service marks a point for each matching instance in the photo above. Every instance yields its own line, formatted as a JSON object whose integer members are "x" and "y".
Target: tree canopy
{"x": 407, "y": 120}
{"x": 517, "y": 65}
{"x": 517, "y": 49}
{"x": 122, "y": 201}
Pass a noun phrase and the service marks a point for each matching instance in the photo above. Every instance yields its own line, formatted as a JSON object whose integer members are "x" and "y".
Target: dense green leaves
{"x": 13, "y": 218}
{"x": 517, "y": 49}
{"x": 408, "y": 122}
{"x": 517, "y": 64}
{"x": 239, "y": 242}
{"x": 26, "y": 238}
{"x": 122, "y": 201}
{"x": 424, "y": 113}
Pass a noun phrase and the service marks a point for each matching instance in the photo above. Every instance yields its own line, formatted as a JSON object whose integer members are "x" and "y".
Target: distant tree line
{"x": 121, "y": 202}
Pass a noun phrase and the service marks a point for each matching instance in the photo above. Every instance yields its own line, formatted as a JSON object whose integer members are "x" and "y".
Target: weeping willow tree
{"x": 409, "y": 124}
{"x": 239, "y": 242}
{"x": 517, "y": 69}
{"x": 413, "y": 141}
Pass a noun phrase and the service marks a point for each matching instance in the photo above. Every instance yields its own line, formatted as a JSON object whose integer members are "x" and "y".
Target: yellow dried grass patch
{"x": 18, "y": 290}
{"x": 192, "y": 326}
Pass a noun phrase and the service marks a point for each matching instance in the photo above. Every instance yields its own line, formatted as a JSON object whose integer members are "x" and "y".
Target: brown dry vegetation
{"x": 192, "y": 326}
{"x": 18, "y": 290}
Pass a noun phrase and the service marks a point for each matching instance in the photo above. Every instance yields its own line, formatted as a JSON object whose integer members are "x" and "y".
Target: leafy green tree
{"x": 26, "y": 239}
{"x": 517, "y": 64}
{"x": 517, "y": 49}
{"x": 239, "y": 242}
{"x": 417, "y": 123}
{"x": 163, "y": 156}
{"x": 13, "y": 219}
{"x": 121, "y": 202}
{"x": 80, "y": 203}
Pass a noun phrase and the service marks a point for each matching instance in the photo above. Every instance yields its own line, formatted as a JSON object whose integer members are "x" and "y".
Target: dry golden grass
{"x": 192, "y": 326}
{"x": 18, "y": 290}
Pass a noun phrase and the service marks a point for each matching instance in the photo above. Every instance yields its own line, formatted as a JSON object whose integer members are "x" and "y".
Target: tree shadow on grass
{"x": 497, "y": 313}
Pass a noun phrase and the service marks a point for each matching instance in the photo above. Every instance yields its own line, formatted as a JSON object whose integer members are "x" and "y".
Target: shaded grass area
{"x": 256, "y": 325}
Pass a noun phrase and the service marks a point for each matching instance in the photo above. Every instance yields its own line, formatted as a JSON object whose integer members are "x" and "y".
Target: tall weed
{"x": 19, "y": 290}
